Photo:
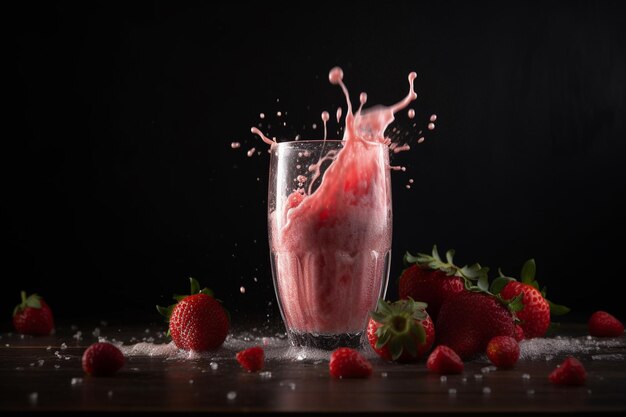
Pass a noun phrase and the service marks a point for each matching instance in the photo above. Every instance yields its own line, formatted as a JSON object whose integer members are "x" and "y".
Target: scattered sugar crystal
{"x": 526, "y": 377}
{"x": 96, "y": 332}
{"x": 57, "y": 366}
{"x": 7, "y": 345}
{"x": 78, "y": 336}
{"x": 104, "y": 323}
{"x": 40, "y": 362}
{"x": 548, "y": 348}
{"x": 110, "y": 394}
{"x": 231, "y": 395}
{"x": 33, "y": 398}
{"x": 19, "y": 368}
{"x": 242, "y": 289}
{"x": 147, "y": 331}
{"x": 214, "y": 366}
{"x": 589, "y": 338}
{"x": 452, "y": 392}
{"x": 265, "y": 375}
{"x": 464, "y": 380}
{"x": 301, "y": 357}
{"x": 530, "y": 392}
{"x": 486, "y": 391}
{"x": 22, "y": 336}
{"x": 485, "y": 370}
{"x": 134, "y": 369}
{"x": 191, "y": 382}
{"x": 63, "y": 346}
{"x": 48, "y": 347}
{"x": 443, "y": 379}
{"x": 492, "y": 368}
{"x": 74, "y": 327}
{"x": 77, "y": 381}
{"x": 32, "y": 364}
{"x": 589, "y": 391}
{"x": 478, "y": 377}
{"x": 608, "y": 357}
{"x": 384, "y": 374}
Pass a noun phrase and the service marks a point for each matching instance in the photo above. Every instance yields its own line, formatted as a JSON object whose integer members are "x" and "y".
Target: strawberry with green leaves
{"x": 432, "y": 280}
{"x": 535, "y": 316}
{"x": 197, "y": 321}
{"x": 33, "y": 316}
{"x": 401, "y": 331}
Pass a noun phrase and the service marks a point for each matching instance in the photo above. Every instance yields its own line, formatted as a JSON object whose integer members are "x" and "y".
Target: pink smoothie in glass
{"x": 331, "y": 247}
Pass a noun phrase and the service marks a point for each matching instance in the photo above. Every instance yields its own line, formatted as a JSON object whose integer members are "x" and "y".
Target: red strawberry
{"x": 401, "y": 331}
{"x": 535, "y": 316}
{"x": 33, "y": 316}
{"x": 252, "y": 359}
{"x": 102, "y": 359}
{"x": 570, "y": 372}
{"x": 198, "y": 321}
{"x": 349, "y": 363}
{"x": 444, "y": 360}
{"x": 468, "y": 320}
{"x": 602, "y": 324}
{"x": 432, "y": 281}
{"x": 503, "y": 351}
{"x": 519, "y": 333}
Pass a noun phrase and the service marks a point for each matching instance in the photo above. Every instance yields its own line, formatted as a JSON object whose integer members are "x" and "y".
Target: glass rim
{"x": 319, "y": 141}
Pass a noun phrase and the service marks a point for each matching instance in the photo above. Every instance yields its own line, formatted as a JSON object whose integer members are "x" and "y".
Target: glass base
{"x": 326, "y": 341}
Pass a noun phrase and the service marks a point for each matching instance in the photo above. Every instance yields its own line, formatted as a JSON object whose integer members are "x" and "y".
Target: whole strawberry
{"x": 432, "y": 280}
{"x": 401, "y": 331}
{"x": 102, "y": 359}
{"x": 503, "y": 351}
{"x": 535, "y": 316}
{"x": 198, "y": 321}
{"x": 603, "y": 324}
{"x": 444, "y": 360}
{"x": 251, "y": 359}
{"x": 570, "y": 372}
{"x": 470, "y": 319}
{"x": 349, "y": 363}
{"x": 33, "y": 316}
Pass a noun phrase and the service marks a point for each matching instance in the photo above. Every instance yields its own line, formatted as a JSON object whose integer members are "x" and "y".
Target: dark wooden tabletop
{"x": 40, "y": 374}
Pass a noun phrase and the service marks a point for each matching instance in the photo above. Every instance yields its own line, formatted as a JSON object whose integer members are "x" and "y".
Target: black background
{"x": 120, "y": 182}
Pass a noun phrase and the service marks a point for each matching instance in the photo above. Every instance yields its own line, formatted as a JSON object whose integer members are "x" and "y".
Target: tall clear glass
{"x": 330, "y": 224}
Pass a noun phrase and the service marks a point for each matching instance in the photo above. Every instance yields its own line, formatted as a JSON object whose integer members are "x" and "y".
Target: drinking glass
{"x": 330, "y": 224}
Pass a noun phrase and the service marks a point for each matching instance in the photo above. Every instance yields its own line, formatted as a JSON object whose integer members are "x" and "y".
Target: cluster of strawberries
{"x": 470, "y": 316}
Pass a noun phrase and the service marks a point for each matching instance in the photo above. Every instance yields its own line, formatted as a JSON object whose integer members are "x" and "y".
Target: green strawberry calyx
{"x": 472, "y": 275}
{"x": 195, "y": 289}
{"x": 32, "y": 301}
{"x": 401, "y": 329}
{"x": 527, "y": 276}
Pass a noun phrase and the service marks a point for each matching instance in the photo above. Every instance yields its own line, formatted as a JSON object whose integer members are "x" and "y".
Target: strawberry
{"x": 503, "y": 351}
{"x": 198, "y": 321}
{"x": 401, "y": 331}
{"x": 444, "y": 360}
{"x": 33, "y": 316}
{"x": 519, "y": 333}
{"x": 602, "y": 324}
{"x": 102, "y": 359}
{"x": 535, "y": 316}
{"x": 570, "y": 372}
{"x": 431, "y": 280}
{"x": 349, "y": 363}
{"x": 468, "y": 320}
{"x": 251, "y": 359}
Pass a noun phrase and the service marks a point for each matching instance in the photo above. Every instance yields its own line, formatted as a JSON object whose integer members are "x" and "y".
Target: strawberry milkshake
{"x": 330, "y": 223}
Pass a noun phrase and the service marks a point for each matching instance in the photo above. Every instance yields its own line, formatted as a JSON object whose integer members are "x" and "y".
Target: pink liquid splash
{"x": 331, "y": 246}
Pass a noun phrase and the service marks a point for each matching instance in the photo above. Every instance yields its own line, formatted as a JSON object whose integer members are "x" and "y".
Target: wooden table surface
{"x": 33, "y": 378}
